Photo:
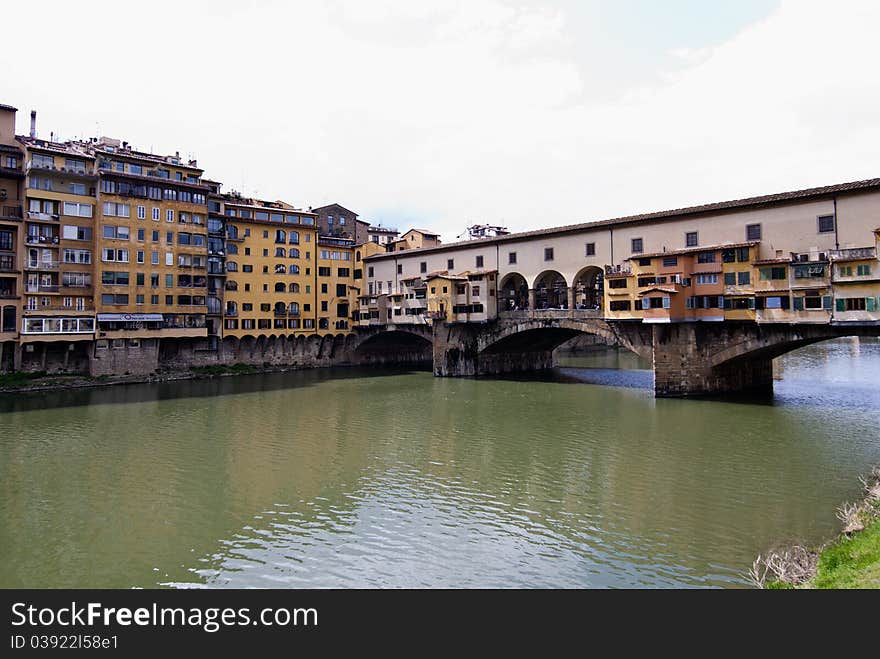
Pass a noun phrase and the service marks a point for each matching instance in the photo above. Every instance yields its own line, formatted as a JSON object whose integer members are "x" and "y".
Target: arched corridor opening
{"x": 551, "y": 291}
{"x": 514, "y": 293}
{"x": 589, "y": 288}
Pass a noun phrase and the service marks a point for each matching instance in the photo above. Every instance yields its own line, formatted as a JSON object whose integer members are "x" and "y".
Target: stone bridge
{"x": 688, "y": 359}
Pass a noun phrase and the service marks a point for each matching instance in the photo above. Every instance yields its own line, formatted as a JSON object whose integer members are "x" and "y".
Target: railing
{"x": 550, "y": 314}
{"x": 618, "y": 269}
{"x": 41, "y": 265}
{"x": 11, "y": 212}
{"x": 8, "y": 295}
{"x": 87, "y": 308}
{"x": 44, "y": 217}
{"x": 229, "y": 312}
{"x": 280, "y": 312}
{"x": 41, "y": 240}
{"x": 42, "y": 288}
{"x": 854, "y": 253}
{"x": 80, "y": 171}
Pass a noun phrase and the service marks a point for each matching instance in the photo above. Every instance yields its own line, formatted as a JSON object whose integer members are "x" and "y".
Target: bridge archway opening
{"x": 551, "y": 291}
{"x": 514, "y": 293}
{"x": 589, "y": 288}
{"x": 394, "y": 347}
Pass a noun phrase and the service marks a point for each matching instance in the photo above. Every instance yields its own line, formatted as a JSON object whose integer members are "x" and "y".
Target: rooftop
{"x": 763, "y": 201}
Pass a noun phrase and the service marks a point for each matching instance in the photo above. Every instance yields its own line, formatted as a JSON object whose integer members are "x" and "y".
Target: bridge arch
{"x": 551, "y": 290}
{"x": 393, "y": 344}
{"x": 513, "y": 292}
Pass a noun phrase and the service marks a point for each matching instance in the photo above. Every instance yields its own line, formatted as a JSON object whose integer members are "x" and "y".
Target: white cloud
{"x": 447, "y": 113}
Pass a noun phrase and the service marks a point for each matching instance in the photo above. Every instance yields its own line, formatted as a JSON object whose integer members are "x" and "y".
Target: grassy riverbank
{"x": 11, "y": 383}
{"x": 850, "y": 561}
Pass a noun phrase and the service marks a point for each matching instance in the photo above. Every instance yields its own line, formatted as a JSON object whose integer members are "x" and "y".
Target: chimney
{"x": 33, "y": 123}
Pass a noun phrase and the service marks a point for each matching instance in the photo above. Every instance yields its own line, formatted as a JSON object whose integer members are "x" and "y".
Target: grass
{"x": 219, "y": 369}
{"x": 851, "y": 562}
{"x": 18, "y": 378}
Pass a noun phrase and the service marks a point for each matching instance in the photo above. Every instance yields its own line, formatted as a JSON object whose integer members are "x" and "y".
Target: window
{"x": 670, "y": 261}
{"x": 743, "y": 278}
{"x": 591, "y": 249}
{"x": 766, "y": 274}
{"x": 742, "y": 254}
{"x": 117, "y": 233}
{"x": 706, "y": 257}
{"x": 400, "y": 268}
{"x": 825, "y": 223}
{"x": 154, "y": 258}
{"x": 637, "y": 246}
{"x": 341, "y": 290}
{"x": 140, "y": 256}
{"x": 753, "y": 232}
{"x": 156, "y": 214}
{"x": 117, "y": 210}
{"x": 706, "y": 278}
{"x": 864, "y": 270}
{"x": 423, "y": 266}
{"x": 78, "y": 188}
{"x": 141, "y": 212}
{"x": 691, "y": 239}
{"x": 169, "y": 258}
{"x": 620, "y": 305}
{"x": 479, "y": 261}
{"x": 511, "y": 257}
{"x": 548, "y": 253}
{"x": 118, "y": 255}
{"x": 114, "y": 298}
{"x": 617, "y": 283}
{"x": 730, "y": 279}
{"x": 169, "y": 215}
{"x": 114, "y": 278}
{"x": 369, "y": 271}
{"x": 169, "y": 281}
{"x": 77, "y": 210}
{"x": 323, "y": 272}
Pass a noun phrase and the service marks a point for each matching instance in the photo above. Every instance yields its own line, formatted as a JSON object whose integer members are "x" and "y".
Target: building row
{"x": 107, "y": 251}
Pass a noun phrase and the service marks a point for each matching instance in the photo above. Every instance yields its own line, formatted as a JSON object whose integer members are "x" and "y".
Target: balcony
{"x": 853, "y": 254}
{"x": 230, "y": 312}
{"x": 280, "y": 312}
{"x": 612, "y": 270}
{"x": 11, "y": 213}
{"x": 42, "y": 288}
{"x": 8, "y": 295}
{"x": 89, "y": 308}
{"x": 43, "y": 241}
{"x": 41, "y": 265}
{"x": 43, "y": 217}
{"x": 45, "y": 167}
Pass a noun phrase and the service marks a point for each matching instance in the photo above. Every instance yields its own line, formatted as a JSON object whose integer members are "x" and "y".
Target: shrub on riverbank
{"x": 851, "y": 561}
{"x": 222, "y": 369}
{"x": 18, "y": 378}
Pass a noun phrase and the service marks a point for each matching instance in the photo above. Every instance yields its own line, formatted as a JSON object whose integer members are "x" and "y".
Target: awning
{"x": 130, "y": 317}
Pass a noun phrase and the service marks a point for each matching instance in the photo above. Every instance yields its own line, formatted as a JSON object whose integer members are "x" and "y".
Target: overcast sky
{"x": 443, "y": 114}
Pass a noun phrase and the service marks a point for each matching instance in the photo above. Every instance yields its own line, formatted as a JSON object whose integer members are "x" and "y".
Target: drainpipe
{"x": 836, "y": 235}
{"x": 611, "y": 233}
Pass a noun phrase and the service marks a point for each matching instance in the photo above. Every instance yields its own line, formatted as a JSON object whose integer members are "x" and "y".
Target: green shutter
{"x": 751, "y": 303}
{"x": 799, "y": 304}
{"x": 870, "y": 304}
{"x": 840, "y": 304}
{"x": 826, "y": 302}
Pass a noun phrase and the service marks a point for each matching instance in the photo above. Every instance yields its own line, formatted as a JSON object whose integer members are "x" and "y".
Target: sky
{"x": 441, "y": 115}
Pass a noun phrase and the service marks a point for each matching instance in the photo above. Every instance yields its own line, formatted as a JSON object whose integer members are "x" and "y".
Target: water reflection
{"x": 311, "y": 479}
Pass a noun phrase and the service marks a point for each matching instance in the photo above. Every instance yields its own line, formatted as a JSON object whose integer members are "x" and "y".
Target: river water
{"x": 350, "y": 478}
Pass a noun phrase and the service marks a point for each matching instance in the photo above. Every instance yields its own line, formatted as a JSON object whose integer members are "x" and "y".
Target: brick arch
{"x": 548, "y": 334}
{"x": 771, "y": 341}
